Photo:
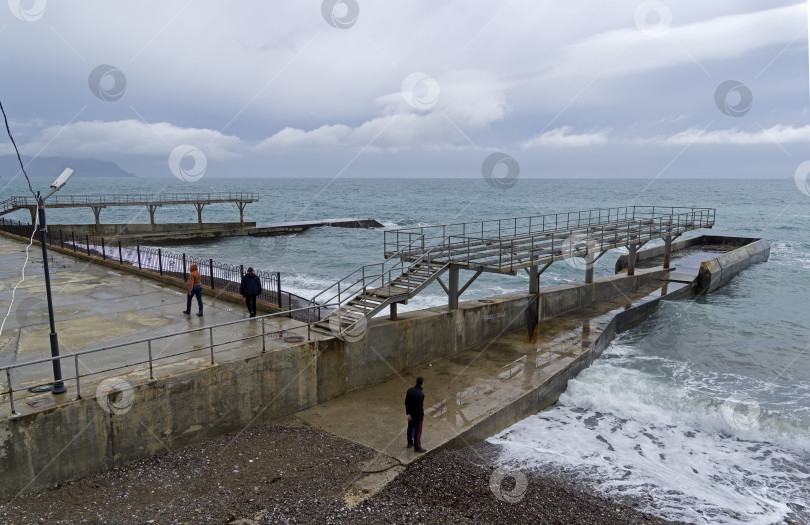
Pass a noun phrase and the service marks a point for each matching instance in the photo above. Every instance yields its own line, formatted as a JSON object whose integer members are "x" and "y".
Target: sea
{"x": 701, "y": 413}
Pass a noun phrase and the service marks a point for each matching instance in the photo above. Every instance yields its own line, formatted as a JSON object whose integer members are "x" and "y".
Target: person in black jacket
{"x": 414, "y": 409}
{"x": 251, "y": 287}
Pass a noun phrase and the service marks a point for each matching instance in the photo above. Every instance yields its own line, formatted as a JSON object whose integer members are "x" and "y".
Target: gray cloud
{"x": 266, "y": 79}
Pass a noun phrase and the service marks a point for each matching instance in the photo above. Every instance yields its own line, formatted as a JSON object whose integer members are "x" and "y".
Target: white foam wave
{"x": 629, "y": 433}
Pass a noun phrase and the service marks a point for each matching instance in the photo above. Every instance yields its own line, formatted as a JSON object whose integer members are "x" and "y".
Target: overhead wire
{"x": 35, "y": 221}
{"x": 13, "y": 143}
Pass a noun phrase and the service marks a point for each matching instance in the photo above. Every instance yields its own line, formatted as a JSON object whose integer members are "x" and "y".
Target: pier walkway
{"x": 132, "y": 318}
{"x": 416, "y": 257}
{"x": 151, "y": 201}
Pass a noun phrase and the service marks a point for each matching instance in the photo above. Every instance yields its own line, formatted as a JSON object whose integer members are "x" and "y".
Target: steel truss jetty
{"x": 417, "y": 256}
{"x": 151, "y": 201}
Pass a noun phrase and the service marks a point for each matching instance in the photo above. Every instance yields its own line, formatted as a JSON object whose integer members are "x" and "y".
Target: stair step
{"x": 369, "y": 305}
{"x": 351, "y": 314}
{"x": 368, "y": 299}
{"x": 355, "y": 307}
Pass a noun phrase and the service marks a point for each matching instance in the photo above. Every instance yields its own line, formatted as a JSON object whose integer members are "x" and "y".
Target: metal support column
{"x": 667, "y": 250}
{"x": 452, "y": 294}
{"x": 589, "y": 264}
{"x": 199, "y": 206}
{"x": 241, "y": 206}
{"x": 97, "y": 214}
{"x": 151, "y": 208}
{"x": 393, "y": 311}
{"x": 534, "y": 280}
{"x": 631, "y": 259}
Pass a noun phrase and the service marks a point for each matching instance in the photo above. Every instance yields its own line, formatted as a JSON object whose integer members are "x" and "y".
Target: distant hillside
{"x": 51, "y": 167}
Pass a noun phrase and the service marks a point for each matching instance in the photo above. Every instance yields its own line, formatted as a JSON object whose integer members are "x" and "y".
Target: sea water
{"x": 702, "y": 412}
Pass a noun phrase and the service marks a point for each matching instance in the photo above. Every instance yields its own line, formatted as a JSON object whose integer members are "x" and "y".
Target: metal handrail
{"x": 542, "y": 223}
{"x": 148, "y": 342}
{"x": 137, "y": 198}
{"x": 402, "y": 272}
{"x": 364, "y": 277}
{"x": 539, "y": 223}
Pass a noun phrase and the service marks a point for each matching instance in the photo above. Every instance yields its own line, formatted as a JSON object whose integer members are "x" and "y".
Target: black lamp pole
{"x": 58, "y": 384}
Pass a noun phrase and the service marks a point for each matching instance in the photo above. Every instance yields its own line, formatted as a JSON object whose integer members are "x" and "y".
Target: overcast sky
{"x": 368, "y": 88}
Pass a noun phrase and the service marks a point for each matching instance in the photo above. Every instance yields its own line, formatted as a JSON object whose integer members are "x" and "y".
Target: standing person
{"x": 414, "y": 409}
{"x": 194, "y": 288}
{"x": 251, "y": 287}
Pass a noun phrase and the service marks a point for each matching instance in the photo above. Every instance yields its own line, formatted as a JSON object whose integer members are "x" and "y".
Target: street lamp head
{"x": 62, "y": 179}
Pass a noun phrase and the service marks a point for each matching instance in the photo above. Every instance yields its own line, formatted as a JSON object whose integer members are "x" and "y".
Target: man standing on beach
{"x": 414, "y": 409}
{"x": 250, "y": 288}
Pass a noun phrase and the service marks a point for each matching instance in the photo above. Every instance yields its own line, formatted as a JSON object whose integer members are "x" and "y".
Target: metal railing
{"x": 215, "y": 274}
{"x": 395, "y": 240}
{"x": 509, "y": 254}
{"x": 368, "y": 275}
{"x": 159, "y": 199}
{"x": 148, "y": 348}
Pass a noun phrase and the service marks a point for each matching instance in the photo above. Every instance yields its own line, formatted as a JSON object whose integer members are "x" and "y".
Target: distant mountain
{"x": 52, "y": 166}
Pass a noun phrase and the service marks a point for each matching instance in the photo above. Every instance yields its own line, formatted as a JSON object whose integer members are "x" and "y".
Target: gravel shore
{"x": 289, "y": 474}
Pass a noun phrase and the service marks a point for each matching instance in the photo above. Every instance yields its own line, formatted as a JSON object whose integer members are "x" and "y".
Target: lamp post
{"x": 58, "y": 384}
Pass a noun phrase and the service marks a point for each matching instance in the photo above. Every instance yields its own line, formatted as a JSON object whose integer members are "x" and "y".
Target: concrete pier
{"x": 482, "y": 374}
{"x": 168, "y": 233}
{"x": 96, "y": 306}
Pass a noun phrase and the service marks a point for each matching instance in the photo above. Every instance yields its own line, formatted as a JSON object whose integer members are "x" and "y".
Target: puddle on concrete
{"x": 86, "y": 332}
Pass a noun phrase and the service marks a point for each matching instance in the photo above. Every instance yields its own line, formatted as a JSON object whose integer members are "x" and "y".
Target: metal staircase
{"x": 373, "y": 287}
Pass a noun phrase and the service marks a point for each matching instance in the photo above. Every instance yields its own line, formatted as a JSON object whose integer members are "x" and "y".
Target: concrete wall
{"x": 716, "y": 272}
{"x": 719, "y": 241}
{"x": 134, "y": 229}
{"x": 80, "y": 437}
{"x": 548, "y": 393}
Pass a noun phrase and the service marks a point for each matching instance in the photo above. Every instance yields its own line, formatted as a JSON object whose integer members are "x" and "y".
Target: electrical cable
{"x": 36, "y": 219}
{"x": 22, "y": 167}
{"x": 22, "y": 277}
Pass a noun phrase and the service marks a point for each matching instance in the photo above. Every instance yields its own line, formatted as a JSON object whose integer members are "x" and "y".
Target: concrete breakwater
{"x": 168, "y": 233}
{"x": 79, "y": 437}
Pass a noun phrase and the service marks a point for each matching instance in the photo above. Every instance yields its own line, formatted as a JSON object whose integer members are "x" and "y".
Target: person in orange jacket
{"x": 194, "y": 288}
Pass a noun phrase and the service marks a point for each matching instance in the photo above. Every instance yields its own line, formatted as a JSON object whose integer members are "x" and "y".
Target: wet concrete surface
{"x": 466, "y": 387}
{"x": 96, "y": 306}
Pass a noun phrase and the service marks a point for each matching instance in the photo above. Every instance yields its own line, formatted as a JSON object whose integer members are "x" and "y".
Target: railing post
{"x": 120, "y": 255}
{"x": 151, "y": 370}
{"x": 211, "y": 339}
{"x": 10, "y": 392}
{"x": 278, "y": 285}
{"x": 87, "y": 242}
{"x": 103, "y": 250}
{"x": 264, "y": 347}
{"x": 160, "y": 262}
{"x": 211, "y": 269}
{"x": 76, "y": 366}
{"x": 61, "y": 240}
{"x": 138, "y": 249}
{"x": 73, "y": 237}
{"x": 185, "y": 276}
